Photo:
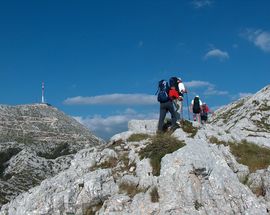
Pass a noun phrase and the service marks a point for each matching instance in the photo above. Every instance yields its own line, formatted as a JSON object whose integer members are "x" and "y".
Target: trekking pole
{"x": 188, "y": 108}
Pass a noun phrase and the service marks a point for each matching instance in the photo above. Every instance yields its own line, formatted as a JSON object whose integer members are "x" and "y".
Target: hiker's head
{"x": 179, "y": 80}
{"x": 197, "y": 96}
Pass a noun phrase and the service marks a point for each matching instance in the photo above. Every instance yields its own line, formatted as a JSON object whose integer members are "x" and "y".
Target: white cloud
{"x": 194, "y": 84}
{"x": 208, "y": 89}
{"x": 242, "y": 95}
{"x": 259, "y": 38}
{"x": 201, "y": 3}
{"x": 105, "y": 127}
{"x": 211, "y": 91}
{"x": 217, "y": 53}
{"x": 113, "y": 99}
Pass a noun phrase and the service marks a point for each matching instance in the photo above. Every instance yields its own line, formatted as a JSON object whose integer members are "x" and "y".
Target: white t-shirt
{"x": 181, "y": 87}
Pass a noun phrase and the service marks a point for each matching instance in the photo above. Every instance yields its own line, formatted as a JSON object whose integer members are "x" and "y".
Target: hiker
{"x": 166, "y": 105}
{"x": 174, "y": 96}
{"x": 204, "y": 113}
{"x": 195, "y": 108}
{"x": 182, "y": 90}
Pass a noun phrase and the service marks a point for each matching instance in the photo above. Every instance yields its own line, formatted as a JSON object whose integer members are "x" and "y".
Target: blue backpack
{"x": 162, "y": 92}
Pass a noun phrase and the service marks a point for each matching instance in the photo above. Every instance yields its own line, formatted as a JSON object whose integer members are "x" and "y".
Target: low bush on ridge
{"x": 161, "y": 145}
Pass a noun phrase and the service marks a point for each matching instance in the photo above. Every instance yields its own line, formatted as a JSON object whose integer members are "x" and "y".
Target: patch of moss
{"x": 188, "y": 128}
{"x": 161, "y": 145}
{"x": 138, "y": 137}
{"x": 154, "y": 195}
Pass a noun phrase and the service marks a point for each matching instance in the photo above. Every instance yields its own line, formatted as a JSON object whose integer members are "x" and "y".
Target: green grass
{"x": 251, "y": 155}
{"x": 246, "y": 153}
{"x": 138, "y": 137}
{"x": 161, "y": 145}
{"x": 188, "y": 128}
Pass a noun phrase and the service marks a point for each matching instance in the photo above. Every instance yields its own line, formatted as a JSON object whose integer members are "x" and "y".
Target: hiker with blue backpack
{"x": 166, "y": 104}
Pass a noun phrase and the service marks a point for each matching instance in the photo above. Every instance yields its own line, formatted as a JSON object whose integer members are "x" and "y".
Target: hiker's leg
{"x": 194, "y": 117}
{"x": 198, "y": 117}
{"x": 178, "y": 112}
{"x": 162, "y": 115}
{"x": 173, "y": 112}
{"x": 176, "y": 109}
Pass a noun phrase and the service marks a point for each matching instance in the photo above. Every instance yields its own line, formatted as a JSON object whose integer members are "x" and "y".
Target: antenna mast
{"x": 42, "y": 98}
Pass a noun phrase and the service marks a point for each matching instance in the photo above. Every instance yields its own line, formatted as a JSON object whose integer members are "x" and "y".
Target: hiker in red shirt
{"x": 204, "y": 113}
{"x": 174, "y": 96}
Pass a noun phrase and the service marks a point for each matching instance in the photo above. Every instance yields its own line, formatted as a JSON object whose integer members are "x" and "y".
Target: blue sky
{"x": 101, "y": 60}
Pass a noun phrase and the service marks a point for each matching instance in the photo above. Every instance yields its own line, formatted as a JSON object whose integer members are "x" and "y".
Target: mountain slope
{"x": 247, "y": 118}
{"x": 36, "y": 142}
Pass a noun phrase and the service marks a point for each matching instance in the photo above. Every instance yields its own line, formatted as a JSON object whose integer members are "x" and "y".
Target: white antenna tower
{"x": 42, "y": 98}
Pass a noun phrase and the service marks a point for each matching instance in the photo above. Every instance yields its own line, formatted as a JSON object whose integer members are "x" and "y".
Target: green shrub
{"x": 161, "y": 145}
{"x": 138, "y": 137}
